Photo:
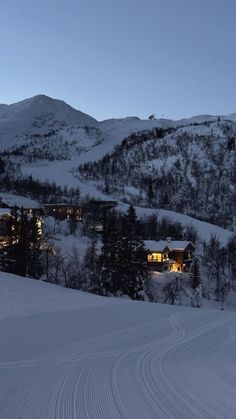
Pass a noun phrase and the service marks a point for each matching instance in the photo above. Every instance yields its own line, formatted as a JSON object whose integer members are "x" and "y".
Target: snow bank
{"x": 25, "y": 296}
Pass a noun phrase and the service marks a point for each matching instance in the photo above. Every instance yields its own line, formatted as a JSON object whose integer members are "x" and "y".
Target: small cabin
{"x": 169, "y": 255}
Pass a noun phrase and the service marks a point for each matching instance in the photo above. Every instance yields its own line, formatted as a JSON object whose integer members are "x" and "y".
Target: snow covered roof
{"x": 61, "y": 204}
{"x": 4, "y": 211}
{"x": 18, "y": 200}
{"x": 179, "y": 244}
{"x": 157, "y": 246}
{"x": 166, "y": 245}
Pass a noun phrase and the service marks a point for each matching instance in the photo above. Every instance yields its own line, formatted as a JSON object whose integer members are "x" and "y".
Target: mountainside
{"x": 188, "y": 166}
{"x": 38, "y": 115}
{"x": 191, "y": 169}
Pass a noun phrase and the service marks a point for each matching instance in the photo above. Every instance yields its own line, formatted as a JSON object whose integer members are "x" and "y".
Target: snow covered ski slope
{"x": 109, "y": 358}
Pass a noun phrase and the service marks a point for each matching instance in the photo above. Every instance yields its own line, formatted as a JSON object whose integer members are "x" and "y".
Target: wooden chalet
{"x": 169, "y": 255}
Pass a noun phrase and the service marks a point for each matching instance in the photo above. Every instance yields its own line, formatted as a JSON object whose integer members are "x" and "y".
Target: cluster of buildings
{"x": 162, "y": 255}
{"x": 60, "y": 211}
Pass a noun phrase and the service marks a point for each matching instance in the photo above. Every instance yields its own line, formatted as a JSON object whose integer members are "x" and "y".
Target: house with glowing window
{"x": 169, "y": 255}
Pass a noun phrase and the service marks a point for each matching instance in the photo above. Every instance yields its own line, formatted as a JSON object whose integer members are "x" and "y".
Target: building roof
{"x": 17, "y": 200}
{"x": 180, "y": 244}
{"x": 61, "y": 204}
{"x": 5, "y": 211}
{"x": 157, "y": 246}
{"x": 167, "y": 245}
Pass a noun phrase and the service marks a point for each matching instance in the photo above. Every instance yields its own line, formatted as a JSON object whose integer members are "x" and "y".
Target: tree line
{"x": 115, "y": 263}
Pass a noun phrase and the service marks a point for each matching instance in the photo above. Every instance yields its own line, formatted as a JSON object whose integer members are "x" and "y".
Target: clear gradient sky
{"x": 114, "y": 58}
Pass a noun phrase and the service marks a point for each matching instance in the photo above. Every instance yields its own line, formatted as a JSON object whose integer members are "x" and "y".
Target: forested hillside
{"x": 190, "y": 169}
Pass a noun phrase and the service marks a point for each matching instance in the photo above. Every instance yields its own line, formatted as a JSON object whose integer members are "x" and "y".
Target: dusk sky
{"x": 116, "y": 58}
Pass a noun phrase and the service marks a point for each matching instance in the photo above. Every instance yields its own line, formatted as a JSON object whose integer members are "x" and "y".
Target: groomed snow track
{"x": 123, "y": 360}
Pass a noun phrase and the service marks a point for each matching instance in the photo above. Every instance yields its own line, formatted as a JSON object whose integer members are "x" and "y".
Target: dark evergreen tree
{"x": 150, "y": 193}
{"x": 109, "y": 279}
{"x": 22, "y": 247}
{"x": 132, "y": 258}
{"x": 196, "y": 277}
{"x": 90, "y": 270}
{"x": 13, "y": 226}
{"x": 231, "y": 259}
{"x": 35, "y": 241}
{"x": 25, "y": 239}
{"x": 13, "y": 238}
{"x": 2, "y": 166}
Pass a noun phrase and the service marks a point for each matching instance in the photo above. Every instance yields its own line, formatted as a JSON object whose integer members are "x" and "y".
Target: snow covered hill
{"x": 98, "y": 358}
{"x": 189, "y": 169}
{"x": 187, "y": 166}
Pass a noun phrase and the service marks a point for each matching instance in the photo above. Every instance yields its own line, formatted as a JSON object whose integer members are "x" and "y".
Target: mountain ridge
{"x": 45, "y": 98}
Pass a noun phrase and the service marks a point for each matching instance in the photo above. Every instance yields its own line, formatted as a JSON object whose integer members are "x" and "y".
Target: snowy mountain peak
{"x": 38, "y": 115}
{"x": 40, "y": 105}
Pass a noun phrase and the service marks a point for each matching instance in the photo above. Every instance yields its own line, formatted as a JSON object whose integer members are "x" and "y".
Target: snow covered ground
{"x": 66, "y": 354}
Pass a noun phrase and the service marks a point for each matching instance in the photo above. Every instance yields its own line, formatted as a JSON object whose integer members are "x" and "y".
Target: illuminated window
{"x": 154, "y": 257}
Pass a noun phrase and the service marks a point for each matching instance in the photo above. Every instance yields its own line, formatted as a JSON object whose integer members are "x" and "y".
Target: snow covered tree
{"x": 172, "y": 291}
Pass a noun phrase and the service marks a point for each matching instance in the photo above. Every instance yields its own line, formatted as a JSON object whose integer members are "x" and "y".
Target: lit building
{"x": 169, "y": 255}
